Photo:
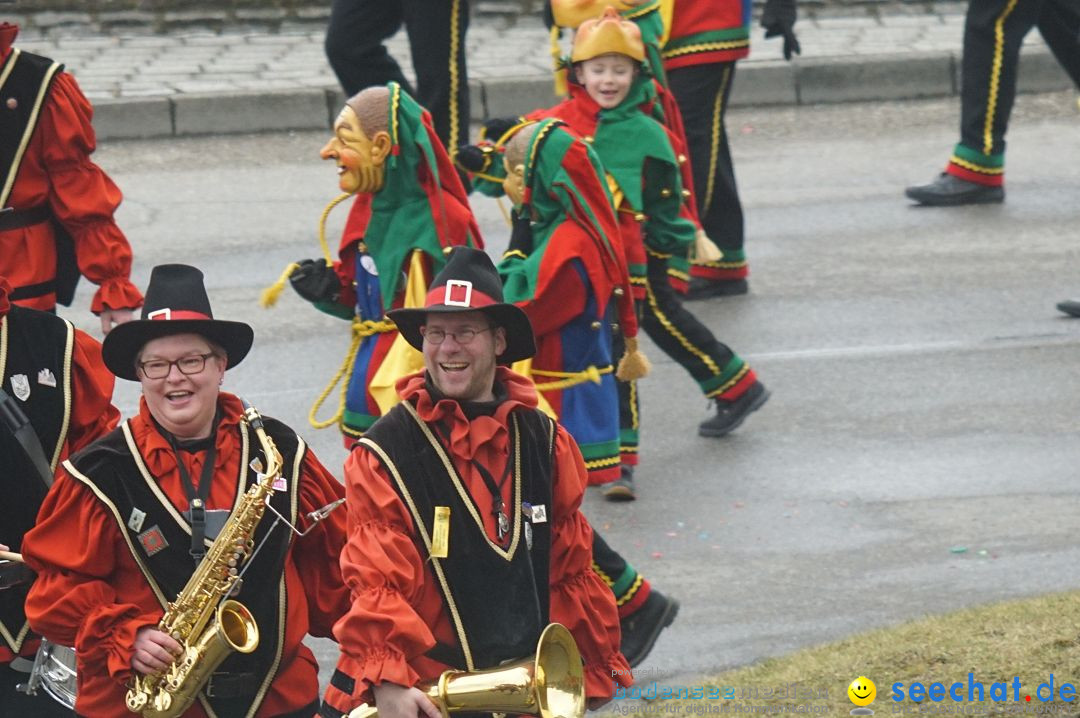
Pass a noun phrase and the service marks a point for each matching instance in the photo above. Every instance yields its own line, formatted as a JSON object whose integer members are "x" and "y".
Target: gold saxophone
{"x": 206, "y": 623}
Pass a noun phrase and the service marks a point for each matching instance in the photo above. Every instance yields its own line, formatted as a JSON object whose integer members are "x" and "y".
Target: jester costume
{"x": 705, "y": 40}
{"x": 650, "y": 17}
{"x": 566, "y": 269}
{"x": 994, "y": 31}
{"x": 394, "y": 242}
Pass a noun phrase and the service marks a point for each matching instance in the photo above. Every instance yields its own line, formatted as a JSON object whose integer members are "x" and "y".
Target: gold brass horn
{"x": 550, "y": 684}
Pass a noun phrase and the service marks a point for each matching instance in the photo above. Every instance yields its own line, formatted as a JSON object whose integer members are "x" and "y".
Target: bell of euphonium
{"x": 550, "y": 684}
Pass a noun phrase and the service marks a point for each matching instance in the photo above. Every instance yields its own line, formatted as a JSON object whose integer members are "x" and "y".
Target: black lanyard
{"x": 197, "y": 498}
{"x": 498, "y": 509}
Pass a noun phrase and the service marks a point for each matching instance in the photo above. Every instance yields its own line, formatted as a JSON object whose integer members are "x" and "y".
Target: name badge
{"x": 440, "y": 534}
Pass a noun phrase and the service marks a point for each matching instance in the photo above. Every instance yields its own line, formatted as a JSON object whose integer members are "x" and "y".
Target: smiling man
{"x": 469, "y": 462}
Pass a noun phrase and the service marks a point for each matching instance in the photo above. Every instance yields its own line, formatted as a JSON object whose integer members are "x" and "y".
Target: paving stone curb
{"x": 757, "y": 83}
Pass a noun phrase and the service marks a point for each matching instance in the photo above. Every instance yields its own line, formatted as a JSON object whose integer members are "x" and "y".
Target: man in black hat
{"x": 465, "y": 539}
{"x": 131, "y": 517}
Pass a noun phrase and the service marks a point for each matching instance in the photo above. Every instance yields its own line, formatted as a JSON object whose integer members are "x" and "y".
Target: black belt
{"x": 29, "y": 291}
{"x": 230, "y": 685}
{"x": 19, "y": 218}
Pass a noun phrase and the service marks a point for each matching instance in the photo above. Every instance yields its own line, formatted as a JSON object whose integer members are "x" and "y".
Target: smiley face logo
{"x": 862, "y": 691}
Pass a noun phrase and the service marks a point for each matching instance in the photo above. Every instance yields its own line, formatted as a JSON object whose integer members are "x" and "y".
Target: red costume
{"x": 91, "y": 593}
{"x": 398, "y": 613}
{"x": 56, "y": 176}
{"x": 91, "y": 415}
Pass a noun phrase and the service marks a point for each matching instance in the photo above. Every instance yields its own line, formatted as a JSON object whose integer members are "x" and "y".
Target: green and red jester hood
{"x": 572, "y": 218}
{"x": 422, "y": 204}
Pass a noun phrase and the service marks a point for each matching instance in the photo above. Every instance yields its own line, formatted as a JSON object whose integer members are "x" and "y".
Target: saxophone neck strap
{"x": 197, "y": 496}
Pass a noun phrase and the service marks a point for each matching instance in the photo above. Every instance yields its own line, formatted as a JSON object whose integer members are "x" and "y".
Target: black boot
{"x": 701, "y": 288}
{"x": 1070, "y": 307}
{"x": 949, "y": 191}
{"x": 622, "y": 488}
{"x": 729, "y": 414}
{"x": 642, "y": 627}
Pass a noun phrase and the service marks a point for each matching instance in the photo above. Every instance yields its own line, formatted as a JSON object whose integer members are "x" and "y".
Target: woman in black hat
{"x": 130, "y": 518}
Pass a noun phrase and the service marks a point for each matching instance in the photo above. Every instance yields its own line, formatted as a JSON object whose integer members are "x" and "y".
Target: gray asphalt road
{"x": 925, "y": 391}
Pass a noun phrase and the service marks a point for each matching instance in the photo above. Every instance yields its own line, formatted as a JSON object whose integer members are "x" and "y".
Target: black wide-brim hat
{"x": 176, "y": 303}
{"x": 470, "y": 283}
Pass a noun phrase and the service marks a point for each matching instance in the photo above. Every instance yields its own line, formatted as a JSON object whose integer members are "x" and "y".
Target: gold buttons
{"x": 595, "y": 326}
{"x": 686, "y": 194}
{"x": 665, "y": 192}
{"x": 614, "y": 326}
{"x": 588, "y": 138}
{"x": 618, "y": 291}
{"x": 639, "y": 217}
{"x": 682, "y": 159}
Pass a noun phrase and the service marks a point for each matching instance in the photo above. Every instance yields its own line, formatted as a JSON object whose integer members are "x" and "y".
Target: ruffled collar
{"x": 488, "y": 420}
{"x": 157, "y": 450}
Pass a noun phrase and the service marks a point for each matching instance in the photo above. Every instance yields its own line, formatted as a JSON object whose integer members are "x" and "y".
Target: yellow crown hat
{"x": 607, "y": 34}
{"x": 571, "y": 13}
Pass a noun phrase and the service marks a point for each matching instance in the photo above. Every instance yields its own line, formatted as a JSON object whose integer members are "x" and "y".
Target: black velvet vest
{"x": 35, "y": 357}
{"x": 496, "y": 597}
{"x": 115, "y": 471}
{"x": 28, "y": 80}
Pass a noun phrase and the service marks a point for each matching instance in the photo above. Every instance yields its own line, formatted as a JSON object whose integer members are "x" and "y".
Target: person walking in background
{"x": 706, "y": 39}
{"x": 56, "y": 205}
{"x": 993, "y": 33}
{"x": 436, "y": 30}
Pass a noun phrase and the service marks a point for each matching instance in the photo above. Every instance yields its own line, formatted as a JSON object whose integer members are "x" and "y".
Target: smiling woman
{"x": 130, "y": 517}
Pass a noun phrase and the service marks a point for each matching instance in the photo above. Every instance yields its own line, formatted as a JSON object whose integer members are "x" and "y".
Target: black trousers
{"x": 680, "y": 334}
{"x": 14, "y": 703}
{"x": 436, "y": 30}
{"x": 990, "y": 62}
{"x": 702, "y": 93}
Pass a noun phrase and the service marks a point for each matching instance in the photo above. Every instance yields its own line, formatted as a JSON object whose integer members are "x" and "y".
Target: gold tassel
{"x": 561, "y": 88}
{"x": 634, "y": 364}
{"x": 704, "y": 249}
{"x": 270, "y": 295}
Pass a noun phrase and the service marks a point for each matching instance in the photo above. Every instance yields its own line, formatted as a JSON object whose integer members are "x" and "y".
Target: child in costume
{"x": 604, "y": 108}
{"x": 410, "y": 208}
{"x": 565, "y": 268}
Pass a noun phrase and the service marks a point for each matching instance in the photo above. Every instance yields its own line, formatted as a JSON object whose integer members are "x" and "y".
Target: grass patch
{"x": 1030, "y": 639}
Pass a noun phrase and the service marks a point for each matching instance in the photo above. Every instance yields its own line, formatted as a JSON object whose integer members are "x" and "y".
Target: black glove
{"x": 521, "y": 236}
{"x": 316, "y": 281}
{"x": 778, "y": 19}
{"x": 472, "y": 158}
{"x": 496, "y": 127}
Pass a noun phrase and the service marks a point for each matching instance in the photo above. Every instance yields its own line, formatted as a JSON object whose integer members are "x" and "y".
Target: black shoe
{"x": 642, "y": 627}
{"x": 729, "y": 414}
{"x": 701, "y": 288}
{"x": 950, "y": 191}
{"x": 622, "y": 488}
{"x": 1070, "y": 307}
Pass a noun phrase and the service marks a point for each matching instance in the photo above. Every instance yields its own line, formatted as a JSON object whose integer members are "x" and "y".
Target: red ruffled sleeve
{"x": 82, "y": 196}
{"x": 316, "y": 554}
{"x": 76, "y": 599}
{"x": 580, "y": 600}
{"x": 382, "y": 631}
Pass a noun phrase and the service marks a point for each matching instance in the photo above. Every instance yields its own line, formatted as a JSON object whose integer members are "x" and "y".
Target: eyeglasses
{"x": 160, "y": 368}
{"x": 461, "y": 336}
